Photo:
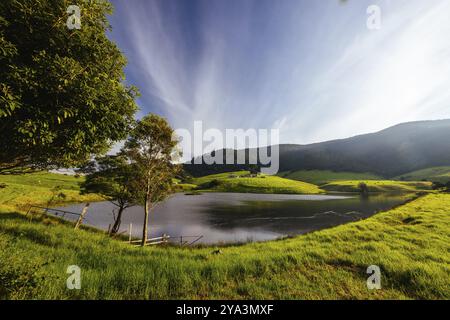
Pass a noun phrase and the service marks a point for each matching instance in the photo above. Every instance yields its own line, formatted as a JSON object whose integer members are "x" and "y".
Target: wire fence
{"x": 164, "y": 239}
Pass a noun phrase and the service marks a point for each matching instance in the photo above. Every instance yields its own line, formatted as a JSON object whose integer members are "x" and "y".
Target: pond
{"x": 241, "y": 217}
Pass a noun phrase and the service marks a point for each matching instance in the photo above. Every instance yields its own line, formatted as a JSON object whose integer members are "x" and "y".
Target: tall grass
{"x": 409, "y": 243}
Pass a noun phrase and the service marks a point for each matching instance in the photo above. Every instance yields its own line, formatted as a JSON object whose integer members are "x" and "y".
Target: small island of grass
{"x": 246, "y": 182}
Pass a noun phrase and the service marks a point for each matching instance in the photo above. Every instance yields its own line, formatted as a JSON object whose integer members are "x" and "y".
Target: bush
{"x": 437, "y": 185}
{"x": 363, "y": 188}
{"x": 210, "y": 184}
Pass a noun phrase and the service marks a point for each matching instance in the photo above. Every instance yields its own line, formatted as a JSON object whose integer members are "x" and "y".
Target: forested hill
{"x": 391, "y": 152}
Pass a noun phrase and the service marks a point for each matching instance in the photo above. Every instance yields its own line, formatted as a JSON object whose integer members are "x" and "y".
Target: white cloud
{"x": 311, "y": 69}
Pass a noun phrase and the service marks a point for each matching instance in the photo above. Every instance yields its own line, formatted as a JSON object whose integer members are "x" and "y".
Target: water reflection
{"x": 237, "y": 217}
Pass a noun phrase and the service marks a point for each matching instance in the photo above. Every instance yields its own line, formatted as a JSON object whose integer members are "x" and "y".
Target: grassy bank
{"x": 41, "y": 188}
{"x": 409, "y": 244}
{"x": 435, "y": 174}
{"x": 377, "y": 186}
{"x": 242, "y": 181}
{"x": 320, "y": 177}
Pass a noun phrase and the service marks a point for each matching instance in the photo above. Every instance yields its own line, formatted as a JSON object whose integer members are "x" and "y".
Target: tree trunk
{"x": 145, "y": 228}
{"x": 116, "y": 225}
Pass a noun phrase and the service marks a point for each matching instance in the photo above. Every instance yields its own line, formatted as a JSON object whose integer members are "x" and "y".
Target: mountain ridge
{"x": 390, "y": 152}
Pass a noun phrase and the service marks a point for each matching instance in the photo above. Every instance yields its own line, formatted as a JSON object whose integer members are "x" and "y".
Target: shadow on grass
{"x": 33, "y": 235}
{"x": 12, "y": 216}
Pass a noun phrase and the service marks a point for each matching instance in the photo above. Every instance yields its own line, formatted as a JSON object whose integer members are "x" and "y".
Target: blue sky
{"x": 310, "y": 68}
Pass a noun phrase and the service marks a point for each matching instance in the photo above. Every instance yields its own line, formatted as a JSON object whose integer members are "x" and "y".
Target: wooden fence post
{"x": 31, "y": 213}
{"x": 83, "y": 213}
{"x": 130, "y": 228}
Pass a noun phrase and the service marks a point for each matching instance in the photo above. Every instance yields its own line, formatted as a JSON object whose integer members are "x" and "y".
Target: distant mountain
{"x": 391, "y": 152}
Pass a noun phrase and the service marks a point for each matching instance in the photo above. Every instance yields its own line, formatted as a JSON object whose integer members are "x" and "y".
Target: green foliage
{"x": 44, "y": 179}
{"x": 210, "y": 184}
{"x": 42, "y": 188}
{"x": 409, "y": 243}
{"x": 363, "y": 188}
{"x": 441, "y": 186}
{"x": 242, "y": 181}
{"x": 62, "y": 92}
{"x": 434, "y": 174}
{"x": 116, "y": 179}
{"x": 320, "y": 177}
{"x": 377, "y": 186}
{"x": 150, "y": 148}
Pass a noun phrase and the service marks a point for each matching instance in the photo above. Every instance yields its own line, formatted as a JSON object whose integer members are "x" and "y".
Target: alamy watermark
{"x": 374, "y": 280}
{"x": 74, "y": 280}
{"x": 234, "y": 146}
{"x": 374, "y": 17}
{"x": 74, "y": 19}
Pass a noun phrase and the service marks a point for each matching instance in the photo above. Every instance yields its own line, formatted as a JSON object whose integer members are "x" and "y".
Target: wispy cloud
{"x": 311, "y": 68}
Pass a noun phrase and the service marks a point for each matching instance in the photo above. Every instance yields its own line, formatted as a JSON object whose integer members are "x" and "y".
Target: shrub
{"x": 363, "y": 188}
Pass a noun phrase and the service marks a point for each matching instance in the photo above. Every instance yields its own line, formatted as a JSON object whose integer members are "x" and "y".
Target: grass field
{"x": 41, "y": 188}
{"x": 435, "y": 174}
{"x": 409, "y": 244}
{"x": 320, "y": 177}
{"x": 377, "y": 186}
{"x": 239, "y": 182}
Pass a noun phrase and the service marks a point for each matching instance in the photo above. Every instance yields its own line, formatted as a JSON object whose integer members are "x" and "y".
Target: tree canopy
{"x": 116, "y": 179}
{"x": 63, "y": 95}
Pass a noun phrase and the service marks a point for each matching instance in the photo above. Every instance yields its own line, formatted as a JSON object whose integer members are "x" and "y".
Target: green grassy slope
{"x": 320, "y": 177}
{"x": 377, "y": 186}
{"x": 41, "y": 188}
{"x": 435, "y": 174}
{"x": 238, "y": 182}
{"x": 409, "y": 244}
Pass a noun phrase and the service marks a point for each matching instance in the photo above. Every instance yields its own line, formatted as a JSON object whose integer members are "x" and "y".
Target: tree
{"x": 151, "y": 149}
{"x": 437, "y": 185}
{"x": 363, "y": 188}
{"x": 114, "y": 178}
{"x": 62, "y": 91}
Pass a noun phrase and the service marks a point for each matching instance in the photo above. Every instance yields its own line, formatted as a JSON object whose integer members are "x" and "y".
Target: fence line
{"x": 158, "y": 240}
{"x": 51, "y": 209}
{"x": 164, "y": 239}
{"x": 153, "y": 241}
{"x": 58, "y": 213}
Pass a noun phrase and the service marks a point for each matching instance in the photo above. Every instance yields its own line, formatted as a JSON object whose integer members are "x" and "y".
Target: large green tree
{"x": 62, "y": 91}
{"x": 151, "y": 148}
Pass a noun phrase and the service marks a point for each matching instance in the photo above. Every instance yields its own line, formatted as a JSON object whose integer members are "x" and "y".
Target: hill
{"x": 243, "y": 181}
{"x": 388, "y": 153}
{"x": 41, "y": 188}
{"x": 435, "y": 174}
{"x": 377, "y": 186}
{"x": 320, "y": 177}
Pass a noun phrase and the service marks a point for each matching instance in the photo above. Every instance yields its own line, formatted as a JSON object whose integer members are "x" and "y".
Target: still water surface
{"x": 242, "y": 217}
